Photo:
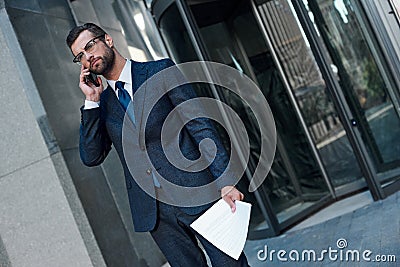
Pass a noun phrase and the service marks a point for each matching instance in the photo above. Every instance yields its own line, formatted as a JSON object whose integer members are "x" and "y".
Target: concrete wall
{"x": 82, "y": 211}
{"x": 42, "y": 222}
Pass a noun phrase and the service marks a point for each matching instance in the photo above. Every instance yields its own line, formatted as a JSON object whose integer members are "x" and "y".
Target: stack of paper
{"x": 224, "y": 229}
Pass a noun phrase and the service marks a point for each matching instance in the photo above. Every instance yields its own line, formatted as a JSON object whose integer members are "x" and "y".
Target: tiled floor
{"x": 336, "y": 209}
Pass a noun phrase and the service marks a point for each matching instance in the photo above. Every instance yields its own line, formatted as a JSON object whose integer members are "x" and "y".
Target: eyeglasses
{"x": 90, "y": 47}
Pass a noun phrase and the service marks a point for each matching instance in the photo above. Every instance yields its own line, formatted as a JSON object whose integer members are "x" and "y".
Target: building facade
{"x": 329, "y": 70}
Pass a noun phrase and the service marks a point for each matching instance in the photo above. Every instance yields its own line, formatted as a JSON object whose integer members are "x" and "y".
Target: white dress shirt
{"x": 125, "y": 76}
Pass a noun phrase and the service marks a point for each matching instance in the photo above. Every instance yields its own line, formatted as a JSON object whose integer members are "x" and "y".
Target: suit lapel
{"x": 117, "y": 112}
{"x": 139, "y": 77}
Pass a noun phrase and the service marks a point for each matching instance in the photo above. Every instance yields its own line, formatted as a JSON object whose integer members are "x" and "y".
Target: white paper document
{"x": 224, "y": 229}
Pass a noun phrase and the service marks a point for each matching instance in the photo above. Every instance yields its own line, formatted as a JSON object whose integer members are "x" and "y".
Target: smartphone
{"x": 92, "y": 78}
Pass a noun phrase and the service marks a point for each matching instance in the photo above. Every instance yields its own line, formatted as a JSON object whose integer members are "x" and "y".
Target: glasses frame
{"x": 77, "y": 59}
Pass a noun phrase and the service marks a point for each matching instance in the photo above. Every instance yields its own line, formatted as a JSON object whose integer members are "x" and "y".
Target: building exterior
{"x": 329, "y": 69}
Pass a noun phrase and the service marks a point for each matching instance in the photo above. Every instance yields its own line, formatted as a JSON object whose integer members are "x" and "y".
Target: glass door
{"x": 181, "y": 44}
{"x": 229, "y": 33}
{"x": 364, "y": 81}
{"x": 293, "y": 52}
{"x": 332, "y": 101}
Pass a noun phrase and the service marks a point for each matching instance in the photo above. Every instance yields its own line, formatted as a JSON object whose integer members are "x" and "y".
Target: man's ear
{"x": 109, "y": 41}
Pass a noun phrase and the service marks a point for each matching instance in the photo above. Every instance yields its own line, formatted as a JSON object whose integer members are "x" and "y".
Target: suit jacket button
{"x": 148, "y": 171}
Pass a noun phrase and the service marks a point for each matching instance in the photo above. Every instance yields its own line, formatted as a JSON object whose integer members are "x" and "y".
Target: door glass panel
{"x": 180, "y": 46}
{"x": 139, "y": 31}
{"x": 176, "y": 36}
{"x": 361, "y": 80}
{"x": 232, "y": 36}
{"x": 309, "y": 88}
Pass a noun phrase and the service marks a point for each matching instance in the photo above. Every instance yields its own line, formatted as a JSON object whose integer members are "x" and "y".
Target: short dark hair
{"x": 91, "y": 27}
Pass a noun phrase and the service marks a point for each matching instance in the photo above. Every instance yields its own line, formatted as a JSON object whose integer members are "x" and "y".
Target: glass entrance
{"x": 318, "y": 157}
{"x": 364, "y": 81}
{"x": 229, "y": 34}
{"x": 310, "y": 90}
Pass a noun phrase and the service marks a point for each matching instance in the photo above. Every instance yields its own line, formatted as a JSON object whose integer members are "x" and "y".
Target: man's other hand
{"x": 230, "y": 194}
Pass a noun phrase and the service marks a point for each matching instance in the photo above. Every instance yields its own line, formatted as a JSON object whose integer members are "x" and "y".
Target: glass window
{"x": 360, "y": 78}
{"x": 176, "y": 36}
{"x": 232, "y": 36}
{"x": 139, "y": 30}
{"x": 310, "y": 90}
{"x": 179, "y": 44}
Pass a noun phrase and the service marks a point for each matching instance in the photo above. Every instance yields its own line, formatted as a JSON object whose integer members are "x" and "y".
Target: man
{"x": 102, "y": 126}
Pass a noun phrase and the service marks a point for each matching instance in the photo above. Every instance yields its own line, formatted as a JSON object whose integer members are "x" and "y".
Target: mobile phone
{"x": 92, "y": 78}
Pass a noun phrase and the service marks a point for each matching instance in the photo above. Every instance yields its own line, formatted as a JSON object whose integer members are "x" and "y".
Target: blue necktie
{"x": 124, "y": 98}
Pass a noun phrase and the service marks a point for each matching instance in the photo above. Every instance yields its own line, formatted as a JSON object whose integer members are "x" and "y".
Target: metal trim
{"x": 158, "y": 8}
{"x": 392, "y": 187}
{"x": 314, "y": 208}
{"x": 394, "y": 10}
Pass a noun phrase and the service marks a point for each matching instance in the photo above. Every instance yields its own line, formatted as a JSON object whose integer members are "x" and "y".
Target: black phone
{"x": 92, "y": 78}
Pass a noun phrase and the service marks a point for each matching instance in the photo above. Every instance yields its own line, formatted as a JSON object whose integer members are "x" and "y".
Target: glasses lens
{"x": 90, "y": 46}
{"x": 78, "y": 58}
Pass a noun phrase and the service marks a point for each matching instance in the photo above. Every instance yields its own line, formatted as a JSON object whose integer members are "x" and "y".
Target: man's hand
{"x": 91, "y": 92}
{"x": 230, "y": 194}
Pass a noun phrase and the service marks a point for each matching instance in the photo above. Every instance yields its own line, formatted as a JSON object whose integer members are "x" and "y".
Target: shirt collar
{"x": 125, "y": 76}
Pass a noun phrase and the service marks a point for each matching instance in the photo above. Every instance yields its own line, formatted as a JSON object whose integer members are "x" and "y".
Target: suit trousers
{"x": 177, "y": 241}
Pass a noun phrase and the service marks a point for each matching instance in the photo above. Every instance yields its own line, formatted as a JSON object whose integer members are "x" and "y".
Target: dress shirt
{"x": 125, "y": 76}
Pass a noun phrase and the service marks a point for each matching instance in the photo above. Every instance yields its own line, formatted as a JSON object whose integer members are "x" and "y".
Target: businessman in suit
{"x": 102, "y": 120}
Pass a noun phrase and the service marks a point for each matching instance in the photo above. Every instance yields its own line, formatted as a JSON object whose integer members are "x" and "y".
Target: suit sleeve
{"x": 94, "y": 142}
{"x": 200, "y": 128}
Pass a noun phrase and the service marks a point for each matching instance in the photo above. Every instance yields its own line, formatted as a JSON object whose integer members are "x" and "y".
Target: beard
{"x": 105, "y": 64}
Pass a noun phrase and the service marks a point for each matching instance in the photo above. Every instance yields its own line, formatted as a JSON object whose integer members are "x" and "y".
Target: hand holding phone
{"x": 92, "y": 78}
{"x": 90, "y": 85}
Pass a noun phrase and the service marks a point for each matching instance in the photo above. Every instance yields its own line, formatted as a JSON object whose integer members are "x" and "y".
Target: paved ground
{"x": 371, "y": 232}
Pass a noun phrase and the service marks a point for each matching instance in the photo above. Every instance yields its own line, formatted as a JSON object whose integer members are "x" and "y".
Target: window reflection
{"x": 232, "y": 36}
{"x": 139, "y": 30}
{"x": 178, "y": 43}
{"x": 176, "y": 36}
{"x": 360, "y": 79}
{"x": 310, "y": 91}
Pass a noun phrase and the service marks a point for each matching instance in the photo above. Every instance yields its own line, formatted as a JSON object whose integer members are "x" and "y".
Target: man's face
{"x": 99, "y": 59}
